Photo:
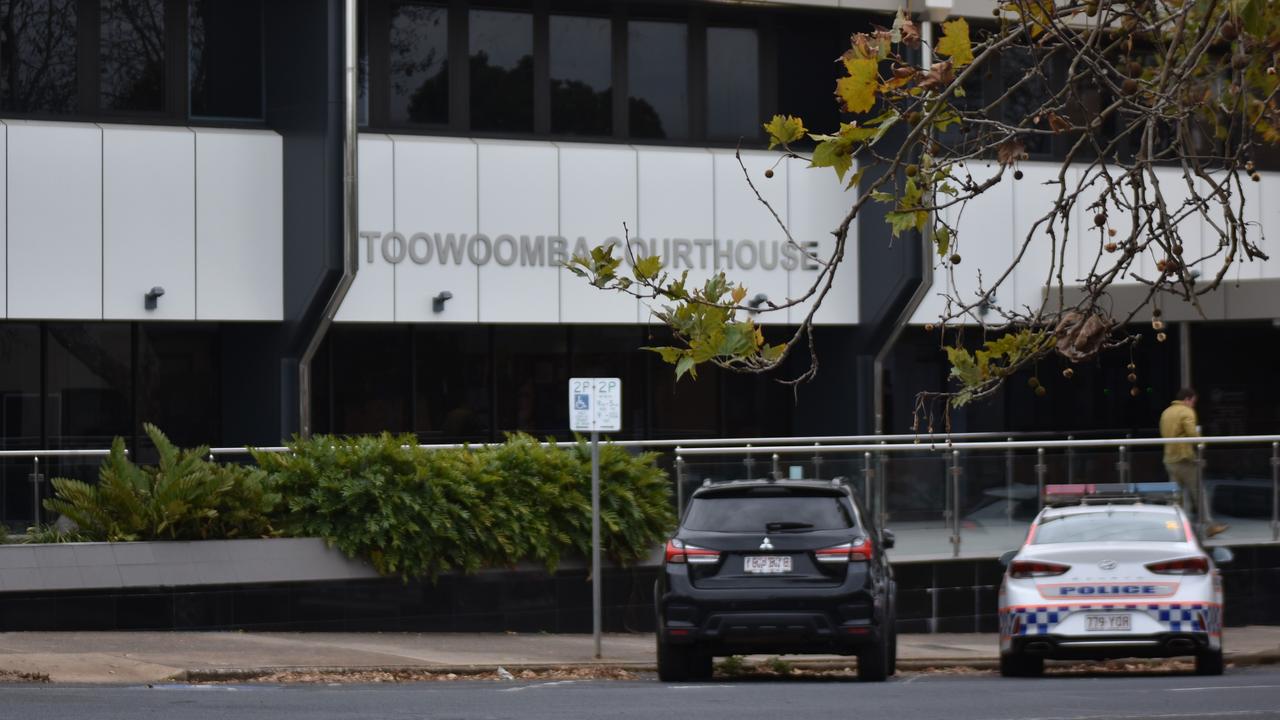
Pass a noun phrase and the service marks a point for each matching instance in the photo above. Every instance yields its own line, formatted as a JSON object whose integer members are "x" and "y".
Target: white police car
{"x": 1110, "y": 571}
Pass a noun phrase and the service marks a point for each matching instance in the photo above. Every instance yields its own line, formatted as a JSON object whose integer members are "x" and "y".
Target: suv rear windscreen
{"x": 1110, "y": 526}
{"x": 753, "y": 512}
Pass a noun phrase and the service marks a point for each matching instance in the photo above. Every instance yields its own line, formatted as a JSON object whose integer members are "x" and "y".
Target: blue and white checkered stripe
{"x": 1177, "y": 617}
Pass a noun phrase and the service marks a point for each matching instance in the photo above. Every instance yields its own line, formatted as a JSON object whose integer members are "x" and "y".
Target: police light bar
{"x": 1153, "y": 492}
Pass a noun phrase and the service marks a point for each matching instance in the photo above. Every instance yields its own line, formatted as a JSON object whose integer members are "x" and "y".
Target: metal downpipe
{"x": 350, "y": 213}
{"x": 926, "y": 275}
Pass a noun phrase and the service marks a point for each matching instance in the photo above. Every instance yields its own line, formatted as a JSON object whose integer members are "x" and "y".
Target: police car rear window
{"x": 1109, "y": 526}
{"x": 754, "y": 513}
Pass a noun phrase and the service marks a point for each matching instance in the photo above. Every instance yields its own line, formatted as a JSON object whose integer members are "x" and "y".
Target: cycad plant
{"x": 184, "y": 497}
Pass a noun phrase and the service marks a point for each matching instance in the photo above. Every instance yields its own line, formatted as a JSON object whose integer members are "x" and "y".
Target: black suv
{"x": 786, "y": 566}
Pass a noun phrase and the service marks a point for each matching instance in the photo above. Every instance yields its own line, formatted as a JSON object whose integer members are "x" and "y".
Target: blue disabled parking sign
{"x": 581, "y": 401}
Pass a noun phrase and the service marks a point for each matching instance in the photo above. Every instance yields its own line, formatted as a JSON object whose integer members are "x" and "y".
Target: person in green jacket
{"x": 1179, "y": 421}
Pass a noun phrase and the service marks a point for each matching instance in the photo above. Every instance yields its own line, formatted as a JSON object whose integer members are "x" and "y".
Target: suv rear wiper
{"x": 786, "y": 526}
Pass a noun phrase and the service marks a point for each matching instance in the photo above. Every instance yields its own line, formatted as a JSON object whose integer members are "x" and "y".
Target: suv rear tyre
{"x": 1209, "y": 663}
{"x": 874, "y": 661}
{"x": 677, "y": 663}
{"x": 1019, "y": 665}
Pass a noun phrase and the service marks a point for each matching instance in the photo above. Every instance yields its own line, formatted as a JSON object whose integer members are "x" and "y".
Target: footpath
{"x": 157, "y": 657}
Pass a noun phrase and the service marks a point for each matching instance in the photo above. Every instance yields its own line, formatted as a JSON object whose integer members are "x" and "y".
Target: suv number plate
{"x": 765, "y": 564}
{"x": 1107, "y": 622}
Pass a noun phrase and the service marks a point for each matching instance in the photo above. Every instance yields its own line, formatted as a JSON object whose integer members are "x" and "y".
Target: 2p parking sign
{"x": 595, "y": 404}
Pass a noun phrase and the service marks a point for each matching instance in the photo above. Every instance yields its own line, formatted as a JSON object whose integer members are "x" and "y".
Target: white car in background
{"x": 1110, "y": 571}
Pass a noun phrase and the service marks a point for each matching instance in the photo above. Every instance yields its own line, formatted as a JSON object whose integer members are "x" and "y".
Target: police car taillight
{"x": 1182, "y": 566}
{"x": 1154, "y": 492}
{"x": 680, "y": 552}
{"x": 858, "y": 550}
{"x": 1035, "y": 568}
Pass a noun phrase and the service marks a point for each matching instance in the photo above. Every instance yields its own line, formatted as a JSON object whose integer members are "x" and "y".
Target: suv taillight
{"x": 858, "y": 550}
{"x": 1035, "y": 568}
{"x": 679, "y": 552}
{"x": 1182, "y": 566}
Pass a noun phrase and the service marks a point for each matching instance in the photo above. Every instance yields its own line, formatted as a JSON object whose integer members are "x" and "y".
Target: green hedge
{"x": 415, "y": 512}
{"x": 184, "y": 497}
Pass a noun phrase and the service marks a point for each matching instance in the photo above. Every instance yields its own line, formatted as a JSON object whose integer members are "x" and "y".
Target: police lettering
{"x": 1109, "y": 590}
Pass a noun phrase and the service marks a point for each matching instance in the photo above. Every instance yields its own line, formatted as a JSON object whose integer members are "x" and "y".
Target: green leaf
{"x": 834, "y": 154}
{"x": 686, "y": 365}
{"x": 902, "y": 220}
{"x": 784, "y": 130}
{"x": 648, "y": 268}
{"x": 955, "y": 43}
{"x": 942, "y": 237}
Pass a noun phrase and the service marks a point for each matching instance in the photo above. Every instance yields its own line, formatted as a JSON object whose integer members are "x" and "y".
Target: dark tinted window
{"x": 452, "y": 389}
{"x": 753, "y": 513}
{"x": 581, "y": 75}
{"x": 501, "y": 49}
{"x": 89, "y": 380}
{"x": 419, "y": 64}
{"x": 1115, "y": 526}
{"x": 132, "y": 55}
{"x": 178, "y": 382}
{"x": 226, "y": 58}
{"x": 658, "y": 79}
{"x": 733, "y": 83}
{"x": 532, "y": 378}
{"x": 370, "y": 366}
{"x": 38, "y": 56}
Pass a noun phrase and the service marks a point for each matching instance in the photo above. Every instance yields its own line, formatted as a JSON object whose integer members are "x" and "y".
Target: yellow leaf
{"x": 857, "y": 92}
{"x": 784, "y": 129}
{"x": 739, "y": 293}
{"x": 955, "y": 43}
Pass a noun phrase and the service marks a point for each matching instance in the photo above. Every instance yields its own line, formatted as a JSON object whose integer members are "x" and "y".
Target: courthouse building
{"x": 172, "y": 204}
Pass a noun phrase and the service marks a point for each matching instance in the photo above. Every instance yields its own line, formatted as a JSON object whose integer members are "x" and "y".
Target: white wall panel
{"x": 4, "y": 214}
{"x": 435, "y": 194}
{"x": 597, "y": 195}
{"x": 239, "y": 225}
{"x": 985, "y": 242}
{"x": 148, "y": 222}
{"x": 1033, "y": 197}
{"x": 676, "y": 209}
{"x": 745, "y": 229}
{"x": 518, "y": 196}
{"x": 817, "y": 203}
{"x": 1268, "y": 236}
{"x": 372, "y": 296}
{"x": 55, "y": 220}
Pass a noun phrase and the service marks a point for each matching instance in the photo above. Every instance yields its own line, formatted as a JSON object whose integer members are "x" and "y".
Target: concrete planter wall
{"x": 93, "y": 566}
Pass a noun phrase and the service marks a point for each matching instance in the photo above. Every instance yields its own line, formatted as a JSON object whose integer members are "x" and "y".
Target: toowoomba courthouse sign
{"x": 707, "y": 254}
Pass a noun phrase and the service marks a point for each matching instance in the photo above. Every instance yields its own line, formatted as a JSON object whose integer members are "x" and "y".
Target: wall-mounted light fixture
{"x": 150, "y": 298}
{"x": 437, "y": 302}
{"x": 755, "y": 302}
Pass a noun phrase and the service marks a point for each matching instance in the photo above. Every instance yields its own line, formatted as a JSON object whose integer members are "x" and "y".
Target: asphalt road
{"x": 1244, "y": 693}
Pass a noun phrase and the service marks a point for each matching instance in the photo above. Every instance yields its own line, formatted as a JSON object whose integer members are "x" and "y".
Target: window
{"x": 752, "y": 512}
{"x": 38, "y": 56}
{"x": 733, "y": 83}
{"x": 532, "y": 378}
{"x": 1110, "y": 526}
{"x": 452, "y": 386}
{"x": 225, "y": 70}
{"x": 370, "y": 370}
{"x": 501, "y": 57}
{"x": 419, "y": 64}
{"x": 581, "y": 75}
{"x": 132, "y": 54}
{"x": 658, "y": 79}
{"x": 178, "y": 382}
{"x": 89, "y": 374}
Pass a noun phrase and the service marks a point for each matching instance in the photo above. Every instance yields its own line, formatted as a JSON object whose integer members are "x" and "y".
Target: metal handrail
{"x": 54, "y": 453}
{"x": 980, "y": 445}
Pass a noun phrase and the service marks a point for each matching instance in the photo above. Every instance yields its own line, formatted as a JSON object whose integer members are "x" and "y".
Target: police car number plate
{"x": 1107, "y": 623}
{"x": 766, "y": 564}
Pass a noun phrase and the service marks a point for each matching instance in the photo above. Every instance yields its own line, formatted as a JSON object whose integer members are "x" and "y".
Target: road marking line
{"x": 695, "y": 687}
{"x": 538, "y": 685}
{"x": 1222, "y": 687}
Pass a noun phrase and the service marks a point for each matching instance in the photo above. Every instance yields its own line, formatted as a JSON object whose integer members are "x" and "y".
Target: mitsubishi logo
{"x": 766, "y": 545}
{"x": 1107, "y": 564}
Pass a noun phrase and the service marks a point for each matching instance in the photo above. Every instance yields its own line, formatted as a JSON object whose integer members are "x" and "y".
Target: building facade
{"x": 172, "y": 204}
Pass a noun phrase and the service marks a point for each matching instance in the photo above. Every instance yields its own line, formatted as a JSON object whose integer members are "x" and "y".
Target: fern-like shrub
{"x": 184, "y": 497}
{"x": 414, "y": 512}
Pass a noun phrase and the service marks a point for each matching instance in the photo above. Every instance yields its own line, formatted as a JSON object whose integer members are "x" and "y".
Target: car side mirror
{"x": 1222, "y": 555}
{"x": 1007, "y": 557}
{"x": 887, "y": 539}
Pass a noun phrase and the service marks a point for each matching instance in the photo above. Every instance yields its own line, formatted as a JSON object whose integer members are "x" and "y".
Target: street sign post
{"x": 595, "y": 405}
